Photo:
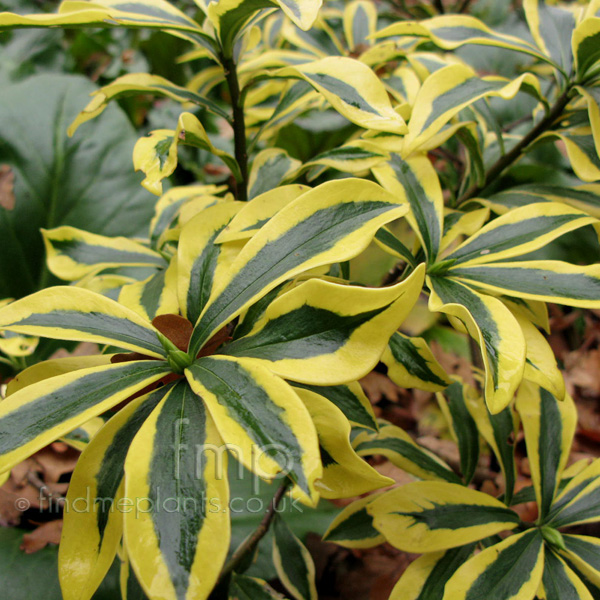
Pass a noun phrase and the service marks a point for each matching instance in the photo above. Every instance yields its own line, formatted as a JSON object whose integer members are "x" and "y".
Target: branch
{"x": 250, "y": 543}
{"x": 239, "y": 125}
{"x": 439, "y": 6}
{"x": 463, "y": 6}
{"x": 505, "y": 161}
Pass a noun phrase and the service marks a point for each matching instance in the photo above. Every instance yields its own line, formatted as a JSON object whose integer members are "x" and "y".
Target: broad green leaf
{"x": 353, "y": 90}
{"x": 66, "y": 401}
{"x": 415, "y": 182}
{"x": 353, "y": 527}
{"x": 464, "y": 427}
{"x": 546, "y": 280}
{"x": 269, "y": 169}
{"x": 261, "y": 417}
{"x": 345, "y": 474}
{"x": 585, "y": 45}
{"x": 428, "y": 516}
{"x": 330, "y": 223}
{"x": 508, "y": 570}
{"x": 294, "y": 564}
{"x": 560, "y": 582}
{"x": 397, "y": 446}
{"x": 493, "y": 327}
{"x": 447, "y": 91}
{"x": 360, "y": 23}
{"x": 350, "y": 399}
{"x": 551, "y": 28}
{"x": 85, "y": 182}
{"x": 519, "y": 232}
{"x": 411, "y": 364}
{"x": 426, "y": 577}
{"x": 136, "y": 84}
{"x": 74, "y": 253}
{"x": 71, "y": 313}
{"x": 93, "y": 519}
{"x": 452, "y": 31}
{"x": 253, "y": 215}
{"x": 177, "y": 531}
{"x": 584, "y": 552}
{"x": 549, "y": 430}
{"x": 26, "y": 576}
{"x": 579, "y": 501}
{"x": 199, "y": 258}
{"x": 333, "y": 333}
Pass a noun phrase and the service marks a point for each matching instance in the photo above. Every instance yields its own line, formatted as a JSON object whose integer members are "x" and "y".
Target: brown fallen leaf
{"x": 390, "y": 470}
{"x": 10, "y": 513}
{"x": 53, "y": 464}
{"x": 83, "y": 349}
{"x": 452, "y": 363}
{"x": 378, "y": 386}
{"x": 582, "y": 368}
{"x": 48, "y": 533}
{"x": 7, "y": 183}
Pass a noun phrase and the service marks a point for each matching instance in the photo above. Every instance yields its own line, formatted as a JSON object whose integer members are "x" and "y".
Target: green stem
{"x": 239, "y": 125}
{"x": 505, "y": 161}
{"x": 250, "y": 543}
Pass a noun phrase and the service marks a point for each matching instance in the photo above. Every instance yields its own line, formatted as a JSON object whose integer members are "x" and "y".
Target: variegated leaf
{"x": 330, "y": 223}
{"x": 428, "y": 516}
{"x": 175, "y": 480}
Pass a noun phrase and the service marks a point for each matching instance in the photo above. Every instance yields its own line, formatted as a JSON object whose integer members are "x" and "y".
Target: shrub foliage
{"x": 234, "y": 327}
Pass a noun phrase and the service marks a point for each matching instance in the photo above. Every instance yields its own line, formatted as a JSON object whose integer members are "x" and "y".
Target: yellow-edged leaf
{"x": 334, "y": 333}
{"x": 353, "y": 90}
{"x": 330, "y": 223}
{"x": 174, "y": 469}
{"x": 261, "y": 417}
{"x": 428, "y": 516}
{"x": 494, "y": 328}
{"x": 71, "y": 313}
{"x": 66, "y": 401}
{"x": 353, "y": 527}
{"x": 93, "y": 516}
{"x": 345, "y": 474}
{"x": 511, "y": 569}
